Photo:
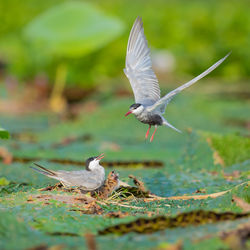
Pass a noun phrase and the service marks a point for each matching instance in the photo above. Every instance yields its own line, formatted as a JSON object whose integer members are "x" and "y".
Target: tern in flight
{"x": 149, "y": 107}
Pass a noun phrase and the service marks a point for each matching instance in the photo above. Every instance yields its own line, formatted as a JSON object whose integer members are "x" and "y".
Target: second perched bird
{"x": 90, "y": 179}
{"x": 149, "y": 107}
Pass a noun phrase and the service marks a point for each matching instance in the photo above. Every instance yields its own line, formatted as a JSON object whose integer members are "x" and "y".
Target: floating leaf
{"x": 149, "y": 225}
{"x": 4, "y": 181}
{"x": 229, "y": 149}
{"x": 185, "y": 165}
{"x": 73, "y": 29}
{"x": 4, "y": 134}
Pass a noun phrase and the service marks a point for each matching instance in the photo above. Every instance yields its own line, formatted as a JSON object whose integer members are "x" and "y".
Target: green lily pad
{"x": 73, "y": 29}
{"x": 4, "y": 181}
{"x": 4, "y": 134}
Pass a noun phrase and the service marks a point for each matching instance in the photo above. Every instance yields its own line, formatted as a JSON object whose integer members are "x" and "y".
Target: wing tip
{"x": 139, "y": 19}
{"x": 138, "y": 22}
{"x": 214, "y": 66}
{"x": 227, "y": 55}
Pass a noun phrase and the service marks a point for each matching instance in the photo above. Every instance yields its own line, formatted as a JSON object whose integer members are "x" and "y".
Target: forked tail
{"x": 166, "y": 123}
{"x": 45, "y": 171}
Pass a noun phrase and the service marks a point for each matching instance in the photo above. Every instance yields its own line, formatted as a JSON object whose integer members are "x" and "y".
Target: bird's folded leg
{"x": 146, "y": 136}
{"x": 152, "y": 137}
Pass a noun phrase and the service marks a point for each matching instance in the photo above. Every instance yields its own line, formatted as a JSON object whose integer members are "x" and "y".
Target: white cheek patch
{"x": 92, "y": 165}
{"x": 134, "y": 111}
{"x": 138, "y": 110}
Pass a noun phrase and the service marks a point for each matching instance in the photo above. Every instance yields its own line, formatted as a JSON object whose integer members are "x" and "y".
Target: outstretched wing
{"x": 161, "y": 104}
{"x": 139, "y": 67}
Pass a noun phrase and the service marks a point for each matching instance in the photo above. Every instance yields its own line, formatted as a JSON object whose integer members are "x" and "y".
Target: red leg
{"x": 152, "y": 137}
{"x": 146, "y": 136}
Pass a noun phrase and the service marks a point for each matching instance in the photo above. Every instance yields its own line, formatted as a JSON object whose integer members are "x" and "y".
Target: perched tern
{"x": 149, "y": 107}
{"x": 90, "y": 179}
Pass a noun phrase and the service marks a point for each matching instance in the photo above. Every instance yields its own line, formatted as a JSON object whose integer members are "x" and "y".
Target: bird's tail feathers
{"x": 45, "y": 171}
{"x": 166, "y": 123}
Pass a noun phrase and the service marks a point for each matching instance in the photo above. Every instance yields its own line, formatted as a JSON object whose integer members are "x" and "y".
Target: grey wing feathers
{"x": 139, "y": 67}
{"x": 81, "y": 179}
{"x": 87, "y": 184}
{"x": 167, "y": 98}
{"x": 73, "y": 178}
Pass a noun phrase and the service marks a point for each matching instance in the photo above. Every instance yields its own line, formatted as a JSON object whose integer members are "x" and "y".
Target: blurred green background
{"x": 192, "y": 35}
{"x": 68, "y": 56}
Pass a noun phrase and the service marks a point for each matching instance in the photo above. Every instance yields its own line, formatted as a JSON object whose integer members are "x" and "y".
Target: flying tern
{"x": 90, "y": 179}
{"x": 149, "y": 107}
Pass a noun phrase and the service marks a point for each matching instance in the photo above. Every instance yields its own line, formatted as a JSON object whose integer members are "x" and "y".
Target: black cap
{"x": 88, "y": 161}
{"x": 135, "y": 106}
